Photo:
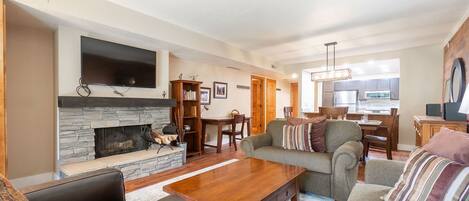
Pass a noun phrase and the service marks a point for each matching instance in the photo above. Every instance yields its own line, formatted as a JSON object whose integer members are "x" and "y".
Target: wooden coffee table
{"x": 247, "y": 179}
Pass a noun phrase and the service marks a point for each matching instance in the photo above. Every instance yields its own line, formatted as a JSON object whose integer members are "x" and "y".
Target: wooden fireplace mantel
{"x": 77, "y": 102}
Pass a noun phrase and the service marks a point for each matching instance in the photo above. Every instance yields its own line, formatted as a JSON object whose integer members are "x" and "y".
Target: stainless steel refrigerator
{"x": 346, "y": 98}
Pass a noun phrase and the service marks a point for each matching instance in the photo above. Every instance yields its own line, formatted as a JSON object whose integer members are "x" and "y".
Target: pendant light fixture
{"x": 333, "y": 74}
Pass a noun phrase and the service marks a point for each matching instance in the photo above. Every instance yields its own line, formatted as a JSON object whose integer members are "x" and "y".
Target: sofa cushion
{"x": 339, "y": 132}
{"x": 275, "y": 128}
{"x": 429, "y": 177}
{"x": 368, "y": 192}
{"x": 313, "y": 161}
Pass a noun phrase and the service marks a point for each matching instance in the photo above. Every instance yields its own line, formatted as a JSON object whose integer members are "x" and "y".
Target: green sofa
{"x": 380, "y": 177}
{"x": 331, "y": 174}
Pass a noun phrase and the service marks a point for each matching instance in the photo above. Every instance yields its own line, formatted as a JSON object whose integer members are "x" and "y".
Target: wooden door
{"x": 3, "y": 155}
{"x": 294, "y": 98}
{"x": 271, "y": 103}
{"x": 257, "y": 105}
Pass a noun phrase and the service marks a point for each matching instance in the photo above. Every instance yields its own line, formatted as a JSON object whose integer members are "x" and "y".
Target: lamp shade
{"x": 464, "y": 108}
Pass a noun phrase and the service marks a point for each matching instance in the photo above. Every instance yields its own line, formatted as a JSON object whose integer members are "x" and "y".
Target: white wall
{"x": 69, "y": 66}
{"x": 283, "y": 97}
{"x": 239, "y": 99}
{"x": 421, "y": 78}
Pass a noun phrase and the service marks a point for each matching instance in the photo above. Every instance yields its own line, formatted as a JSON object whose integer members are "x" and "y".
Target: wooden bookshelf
{"x": 189, "y": 107}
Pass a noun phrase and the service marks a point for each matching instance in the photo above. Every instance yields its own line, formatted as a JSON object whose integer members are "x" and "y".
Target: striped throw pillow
{"x": 428, "y": 177}
{"x": 297, "y": 137}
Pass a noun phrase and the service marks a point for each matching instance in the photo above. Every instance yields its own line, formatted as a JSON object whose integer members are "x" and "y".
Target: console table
{"x": 427, "y": 126}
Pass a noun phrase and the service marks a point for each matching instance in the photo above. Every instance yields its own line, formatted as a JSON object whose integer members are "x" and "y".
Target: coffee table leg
{"x": 295, "y": 197}
{"x": 297, "y": 191}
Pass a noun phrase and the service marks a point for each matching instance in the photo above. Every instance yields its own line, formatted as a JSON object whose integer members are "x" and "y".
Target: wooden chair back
{"x": 393, "y": 114}
{"x": 287, "y": 112}
{"x": 238, "y": 119}
{"x": 333, "y": 112}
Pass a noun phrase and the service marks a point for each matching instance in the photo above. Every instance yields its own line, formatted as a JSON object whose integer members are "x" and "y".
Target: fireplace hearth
{"x": 120, "y": 140}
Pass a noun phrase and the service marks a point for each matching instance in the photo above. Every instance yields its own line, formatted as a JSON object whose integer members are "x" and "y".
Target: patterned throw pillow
{"x": 428, "y": 177}
{"x": 297, "y": 137}
{"x": 8, "y": 193}
{"x": 318, "y": 139}
{"x": 294, "y": 139}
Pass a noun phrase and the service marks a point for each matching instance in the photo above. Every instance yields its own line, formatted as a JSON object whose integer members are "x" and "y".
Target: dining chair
{"x": 237, "y": 119}
{"x": 333, "y": 112}
{"x": 287, "y": 112}
{"x": 383, "y": 142}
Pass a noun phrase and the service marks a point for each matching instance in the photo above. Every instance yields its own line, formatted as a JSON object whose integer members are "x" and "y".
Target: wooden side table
{"x": 427, "y": 126}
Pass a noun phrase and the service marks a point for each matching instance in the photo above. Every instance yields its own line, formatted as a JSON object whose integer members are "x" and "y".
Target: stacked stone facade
{"x": 76, "y": 127}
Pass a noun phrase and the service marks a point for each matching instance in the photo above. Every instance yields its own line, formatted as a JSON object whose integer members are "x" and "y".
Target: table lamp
{"x": 464, "y": 108}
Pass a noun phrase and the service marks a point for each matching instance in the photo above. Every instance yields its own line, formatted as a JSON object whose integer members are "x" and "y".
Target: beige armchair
{"x": 376, "y": 183}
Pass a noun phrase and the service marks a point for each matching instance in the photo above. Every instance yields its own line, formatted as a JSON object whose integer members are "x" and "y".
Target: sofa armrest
{"x": 251, "y": 143}
{"x": 101, "y": 185}
{"x": 345, "y": 169}
{"x": 383, "y": 172}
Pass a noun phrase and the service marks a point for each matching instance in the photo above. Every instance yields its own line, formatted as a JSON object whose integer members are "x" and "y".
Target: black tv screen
{"x": 112, "y": 64}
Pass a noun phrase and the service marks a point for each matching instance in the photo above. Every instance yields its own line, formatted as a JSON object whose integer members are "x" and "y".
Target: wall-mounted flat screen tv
{"x": 112, "y": 64}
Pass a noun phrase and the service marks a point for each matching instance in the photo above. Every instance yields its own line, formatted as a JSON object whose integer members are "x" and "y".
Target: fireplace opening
{"x": 120, "y": 140}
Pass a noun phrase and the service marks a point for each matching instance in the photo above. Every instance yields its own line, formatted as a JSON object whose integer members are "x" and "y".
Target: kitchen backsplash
{"x": 377, "y": 106}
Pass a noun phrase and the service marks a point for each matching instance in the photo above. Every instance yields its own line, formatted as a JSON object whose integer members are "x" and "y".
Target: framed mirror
{"x": 447, "y": 89}
{"x": 458, "y": 80}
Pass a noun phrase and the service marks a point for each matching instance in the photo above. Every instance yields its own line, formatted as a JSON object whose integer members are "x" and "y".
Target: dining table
{"x": 220, "y": 122}
{"x": 370, "y": 125}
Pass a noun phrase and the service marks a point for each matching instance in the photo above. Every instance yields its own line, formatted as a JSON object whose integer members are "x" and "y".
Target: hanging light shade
{"x": 333, "y": 74}
{"x": 341, "y": 74}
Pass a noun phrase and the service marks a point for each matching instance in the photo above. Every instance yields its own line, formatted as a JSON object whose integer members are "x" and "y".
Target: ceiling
{"x": 290, "y": 32}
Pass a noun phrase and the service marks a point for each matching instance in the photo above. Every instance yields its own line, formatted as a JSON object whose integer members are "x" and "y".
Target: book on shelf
{"x": 189, "y": 95}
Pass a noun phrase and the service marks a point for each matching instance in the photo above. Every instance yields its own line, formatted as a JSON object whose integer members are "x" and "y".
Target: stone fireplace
{"x": 92, "y": 136}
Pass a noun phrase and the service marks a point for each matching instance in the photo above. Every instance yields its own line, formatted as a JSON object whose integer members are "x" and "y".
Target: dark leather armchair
{"x": 101, "y": 185}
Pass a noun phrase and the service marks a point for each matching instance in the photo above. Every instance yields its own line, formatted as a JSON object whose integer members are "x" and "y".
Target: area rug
{"x": 155, "y": 191}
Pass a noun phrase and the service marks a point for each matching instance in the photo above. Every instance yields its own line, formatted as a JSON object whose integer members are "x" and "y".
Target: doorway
{"x": 257, "y": 104}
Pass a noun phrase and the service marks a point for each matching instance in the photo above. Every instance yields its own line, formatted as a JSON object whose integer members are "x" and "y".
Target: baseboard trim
{"x": 33, "y": 179}
{"x": 406, "y": 147}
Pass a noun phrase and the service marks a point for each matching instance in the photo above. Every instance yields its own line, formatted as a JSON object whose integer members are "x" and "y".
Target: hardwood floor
{"x": 211, "y": 158}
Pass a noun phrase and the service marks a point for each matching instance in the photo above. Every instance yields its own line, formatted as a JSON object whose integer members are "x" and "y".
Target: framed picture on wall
{"x": 220, "y": 90}
{"x": 205, "y": 95}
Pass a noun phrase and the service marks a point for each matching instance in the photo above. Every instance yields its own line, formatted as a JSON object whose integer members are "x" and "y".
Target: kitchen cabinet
{"x": 362, "y": 86}
{"x": 371, "y": 85}
{"x": 383, "y": 85}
